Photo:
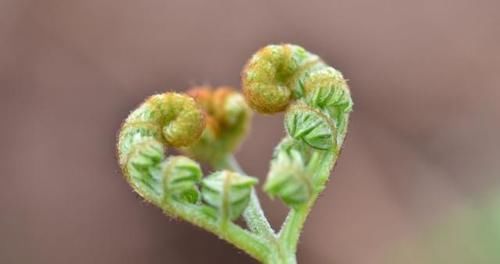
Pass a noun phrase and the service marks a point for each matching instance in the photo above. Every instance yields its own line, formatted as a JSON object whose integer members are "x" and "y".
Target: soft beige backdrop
{"x": 422, "y": 144}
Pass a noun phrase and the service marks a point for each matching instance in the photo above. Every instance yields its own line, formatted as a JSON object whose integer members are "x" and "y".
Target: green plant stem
{"x": 241, "y": 238}
{"x": 320, "y": 166}
{"x": 258, "y": 223}
{"x": 290, "y": 231}
{"x": 253, "y": 214}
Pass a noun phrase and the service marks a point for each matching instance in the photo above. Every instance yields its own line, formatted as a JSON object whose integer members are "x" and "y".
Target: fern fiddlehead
{"x": 208, "y": 124}
{"x": 228, "y": 121}
{"x": 278, "y": 75}
{"x": 317, "y": 103}
{"x": 163, "y": 120}
{"x": 174, "y": 183}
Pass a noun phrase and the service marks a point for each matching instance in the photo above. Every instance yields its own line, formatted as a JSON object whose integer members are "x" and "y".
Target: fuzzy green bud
{"x": 228, "y": 119}
{"x": 288, "y": 178}
{"x": 227, "y": 192}
{"x": 180, "y": 178}
{"x": 327, "y": 90}
{"x": 269, "y": 78}
{"x": 167, "y": 119}
{"x": 310, "y": 126}
{"x": 145, "y": 155}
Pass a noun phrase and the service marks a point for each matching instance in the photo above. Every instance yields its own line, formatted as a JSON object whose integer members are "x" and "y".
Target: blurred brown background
{"x": 423, "y": 141}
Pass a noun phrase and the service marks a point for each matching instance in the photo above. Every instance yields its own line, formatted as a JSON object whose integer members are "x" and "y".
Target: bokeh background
{"x": 418, "y": 181}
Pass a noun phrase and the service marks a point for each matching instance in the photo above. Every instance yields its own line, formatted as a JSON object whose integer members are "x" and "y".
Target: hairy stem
{"x": 289, "y": 234}
{"x": 258, "y": 223}
{"x": 253, "y": 214}
{"x": 239, "y": 237}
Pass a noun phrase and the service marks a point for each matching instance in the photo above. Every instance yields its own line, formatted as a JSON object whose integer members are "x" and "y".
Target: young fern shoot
{"x": 208, "y": 125}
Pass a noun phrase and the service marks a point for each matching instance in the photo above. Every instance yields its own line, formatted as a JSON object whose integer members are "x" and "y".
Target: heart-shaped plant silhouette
{"x": 208, "y": 125}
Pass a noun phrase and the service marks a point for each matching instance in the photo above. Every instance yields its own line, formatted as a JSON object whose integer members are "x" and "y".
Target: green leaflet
{"x": 228, "y": 192}
{"x": 180, "y": 176}
{"x": 310, "y": 126}
{"x": 327, "y": 90}
{"x": 142, "y": 160}
{"x": 228, "y": 120}
{"x": 288, "y": 178}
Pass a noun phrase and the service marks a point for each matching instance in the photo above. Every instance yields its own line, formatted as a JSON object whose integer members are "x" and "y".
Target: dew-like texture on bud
{"x": 168, "y": 119}
{"x": 288, "y": 178}
{"x": 311, "y": 126}
{"x": 228, "y": 192}
{"x": 180, "y": 178}
{"x": 228, "y": 119}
